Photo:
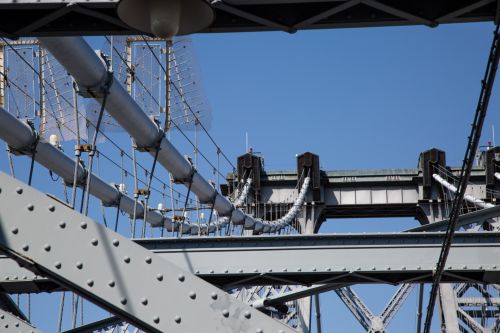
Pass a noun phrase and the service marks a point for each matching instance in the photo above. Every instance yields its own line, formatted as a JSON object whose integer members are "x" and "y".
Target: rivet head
{"x": 16, "y": 324}
{"x": 116, "y": 242}
{"x": 148, "y": 260}
{"x": 192, "y": 295}
{"x": 144, "y": 301}
{"x": 15, "y": 231}
{"x": 159, "y": 277}
{"x": 62, "y": 224}
{"x": 94, "y": 242}
{"x": 214, "y": 295}
{"x": 52, "y": 208}
{"x": 247, "y": 314}
{"x": 46, "y": 247}
{"x": 177, "y": 319}
{"x": 90, "y": 283}
{"x": 57, "y": 265}
{"x": 19, "y": 190}
{"x": 2, "y": 316}
{"x": 79, "y": 265}
{"x": 156, "y": 319}
{"x": 126, "y": 259}
{"x": 123, "y": 300}
{"x": 259, "y": 330}
{"x": 111, "y": 283}
{"x": 30, "y": 207}
{"x": 25, "y": 247}
{"x": 181, "y": 277}
{"x": 83, "y": 225}
{"x": 212, "y": 271}
{"x": 225, "y": 313}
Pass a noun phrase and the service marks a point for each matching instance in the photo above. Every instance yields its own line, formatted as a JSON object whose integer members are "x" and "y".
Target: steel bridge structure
{"x": 267, "y": 278}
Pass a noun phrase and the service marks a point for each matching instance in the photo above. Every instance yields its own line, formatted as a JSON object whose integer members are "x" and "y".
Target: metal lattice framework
{"x": 235, "y": 284}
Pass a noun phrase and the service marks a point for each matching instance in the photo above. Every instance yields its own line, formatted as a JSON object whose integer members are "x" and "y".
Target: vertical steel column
{"x": 448, "y": 307}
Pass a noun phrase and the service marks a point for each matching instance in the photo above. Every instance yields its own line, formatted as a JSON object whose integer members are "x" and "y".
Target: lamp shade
{"x": 166, "y": 18}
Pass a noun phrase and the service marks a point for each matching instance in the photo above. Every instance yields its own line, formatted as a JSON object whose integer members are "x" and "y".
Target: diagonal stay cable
{"x": 472, "y": 145}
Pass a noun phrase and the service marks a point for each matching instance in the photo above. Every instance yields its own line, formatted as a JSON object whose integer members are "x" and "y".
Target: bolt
{"x": 159, "y": 277}
{"x": 181, "y": 277}
{"x": 62, "y": 224}
{"x": 123, "y": 300}
{"x": 192, "y": 295}
{"x": 214, "y": 295}
{"x": 247, "y": 314}
{"x": 15, "y": 231}
{"x": 111, "y": 283}
{"x": 144, "y": 301}
{"x": 156, "y": 319}
{"x": 79, "y": 265}
{"x": 116, "y": 242}
{"x": 25, "y": 247}
{"x": 94, "y": 242}
{"x": 225, "y": 313}
{"x": 177, "y": 319}
{"x": 90, "y": 283}
{"x": 126, "y": 259}
{"x": 57, "y": 265}
{"x": 52, "y": 208}
{"x": 19, "y": 190}
{"x": 83, "y": 225}
{"x": 148, "y": 260}
{"x": 30, "y": 207}
{"x": 46, "y": 247}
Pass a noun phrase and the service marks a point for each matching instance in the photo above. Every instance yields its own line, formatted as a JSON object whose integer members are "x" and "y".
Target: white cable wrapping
{"x": 467, "y": 197}
{"x": 225, "y": 220}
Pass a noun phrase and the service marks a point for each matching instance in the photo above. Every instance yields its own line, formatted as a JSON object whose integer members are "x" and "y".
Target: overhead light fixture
{"x": 166, "y": 18}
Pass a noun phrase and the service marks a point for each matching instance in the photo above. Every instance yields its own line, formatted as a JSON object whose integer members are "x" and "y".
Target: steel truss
{"x": 99, "y": 17}
{"x": 104, "y": 267}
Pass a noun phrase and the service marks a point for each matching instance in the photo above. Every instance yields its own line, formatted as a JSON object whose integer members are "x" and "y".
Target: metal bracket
{"x": 106, "y": 268}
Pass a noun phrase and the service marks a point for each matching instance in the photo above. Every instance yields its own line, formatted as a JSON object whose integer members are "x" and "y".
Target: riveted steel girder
{"x": 106, "y": 268}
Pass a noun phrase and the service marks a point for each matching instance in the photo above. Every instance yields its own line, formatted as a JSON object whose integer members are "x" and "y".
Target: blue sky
{"x": 359, "y": 98}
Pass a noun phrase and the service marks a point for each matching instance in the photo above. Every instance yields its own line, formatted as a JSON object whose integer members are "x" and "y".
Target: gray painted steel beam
{"x": 99, "y": 17}
{"x": 99, "y": 325}
{"x": 12, "y": 324}
{"x": 106, "y": 268}
{"x": 319, "y": 259}
{"x": 478, "y": 216}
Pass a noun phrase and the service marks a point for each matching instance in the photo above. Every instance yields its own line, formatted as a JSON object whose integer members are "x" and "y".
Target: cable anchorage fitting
{"x": 155, "y": 145}
{"x": 29, "y": 149}
{"x": 101, "y": 88}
